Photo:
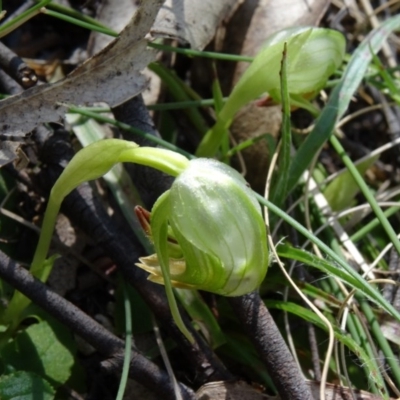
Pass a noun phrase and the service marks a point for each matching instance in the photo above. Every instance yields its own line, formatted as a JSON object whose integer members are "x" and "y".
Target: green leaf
{"x": 141, "y": 314}
{"x": 44, "y": 349}
{"x": 332, "y": 268}
{"x": 23, "y": 385}
{"x": 348, "y": 341}
{"x": 341, "y": 192}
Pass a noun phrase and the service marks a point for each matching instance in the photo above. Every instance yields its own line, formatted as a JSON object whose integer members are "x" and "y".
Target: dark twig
{"x": 150, "y": 182}
{"x": 8, "y": 85}
{"x": 135, "y": 113}
{"x": 16, "y": 67}
{"x": 86, "y": 211}
{"x": 271, "y": 347}
{"x": 141, "y": 369}
{"x": 253, "y": 314}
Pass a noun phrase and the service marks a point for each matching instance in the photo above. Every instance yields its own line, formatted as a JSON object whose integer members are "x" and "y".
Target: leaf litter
{"x": 113, "y": 75}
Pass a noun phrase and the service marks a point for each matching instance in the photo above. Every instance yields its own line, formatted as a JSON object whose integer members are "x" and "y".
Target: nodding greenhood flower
{"x": 208, "y": 224}
{"x": 208, "y": 232}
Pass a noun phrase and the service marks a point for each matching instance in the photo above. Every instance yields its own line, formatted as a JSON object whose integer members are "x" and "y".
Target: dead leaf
{"x": 243, "y": 391}
{"x": 229, "y": 391}
{"x": 113, "y": 75}
{"x": 192, "y": 22}
{"x": 390, "y": 328}
{"x": 11, "y": 151}
{"x": 189, "y": 21}
{"x": 115, "y": 14}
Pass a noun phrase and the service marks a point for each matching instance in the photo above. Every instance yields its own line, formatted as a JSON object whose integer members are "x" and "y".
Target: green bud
{"x": 217, "y": 222}
{"x": 313, "y": 54}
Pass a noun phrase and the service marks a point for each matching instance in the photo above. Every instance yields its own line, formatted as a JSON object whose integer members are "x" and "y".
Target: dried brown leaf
{"x": 112, "y": 76}
{"x": 192, "y": 21}
{"x": 189, "y": 21}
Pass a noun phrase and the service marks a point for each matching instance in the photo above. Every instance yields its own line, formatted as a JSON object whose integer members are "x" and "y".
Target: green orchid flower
{"x": 217, "y": 222}
{"x": 208, "y": 233}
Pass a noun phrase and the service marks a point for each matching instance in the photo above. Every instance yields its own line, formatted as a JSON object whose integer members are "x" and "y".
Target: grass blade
{"x": 341, "y": 97}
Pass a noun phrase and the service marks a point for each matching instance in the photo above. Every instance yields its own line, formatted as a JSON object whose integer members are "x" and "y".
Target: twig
{"x": 105, "y": 342}
{"x": 8, "y": 84}
{"x": 272, "y": 349}
{"x": 150, "y": 182}
{"x": 16, "y": 67}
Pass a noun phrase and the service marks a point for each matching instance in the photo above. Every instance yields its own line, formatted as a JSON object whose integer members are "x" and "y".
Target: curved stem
{"x": 39, "y": 267}
{"x": 90, "y": 163}
{"x": 162, "y": 159}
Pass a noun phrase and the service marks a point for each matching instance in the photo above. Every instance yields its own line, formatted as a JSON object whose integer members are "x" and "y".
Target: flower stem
{"x": 162, "y": 159}
{"x": 89, "y": 163}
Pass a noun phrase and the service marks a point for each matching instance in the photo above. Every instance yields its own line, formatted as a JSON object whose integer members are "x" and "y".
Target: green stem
{"x": 280, "y": 188}
{"x": 211, "y": 141}
{"x": 128, "y": 128}
{"x": 164, "y": 160}
{"x": 78, "y": 22}
{"x": 179, "y": 91}
{"x": 372, "y": 224}
{"x": 247, "y": 143}
{"x": 204, "y": 54}
{"x": 89, "y": 163}
{"x": 378, "y": 387}
{"x": 50, "y": 217}
{"x": 178, "y": 105}
{"x": 353, "y": 324}
{"x": 38, "y": 267}
{"x": 8, "y": 27}
{"x": 391, "y": 359}
{"x": 128, "y": 342}
{"x": 77, "y": 15}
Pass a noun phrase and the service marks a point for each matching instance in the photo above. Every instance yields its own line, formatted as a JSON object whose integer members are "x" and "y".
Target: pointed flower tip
{"x": 143, "y": 217}
{"x": 151, "y": 264}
